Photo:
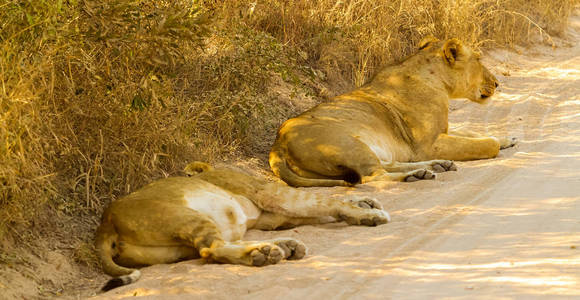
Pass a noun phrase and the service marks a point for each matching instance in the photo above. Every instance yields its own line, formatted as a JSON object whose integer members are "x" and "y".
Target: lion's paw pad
{"x": 293, "y": 249}
{"x": 421, "y": 174}
{"x": 266, "y": 255}
{"x": 367, "y": 203}
{"x": 444, "y": 166}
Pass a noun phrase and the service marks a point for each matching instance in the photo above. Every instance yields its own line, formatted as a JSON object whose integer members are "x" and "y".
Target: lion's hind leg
{"x": 410, "y": 171}
{"x": 437, "y": 165}
{"x": 203, "y": 234}
{"x": 409, "y": 176}
{"x": 255, "y": 253}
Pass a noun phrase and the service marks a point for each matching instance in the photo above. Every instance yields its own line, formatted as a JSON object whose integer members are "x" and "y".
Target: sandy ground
{"x": 502, "y": 228}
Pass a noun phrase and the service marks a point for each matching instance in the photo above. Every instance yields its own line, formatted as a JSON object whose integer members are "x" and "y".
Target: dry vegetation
{"x": 100, "y": 97}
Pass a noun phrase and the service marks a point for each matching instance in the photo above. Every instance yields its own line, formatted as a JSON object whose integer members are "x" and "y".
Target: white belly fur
{"x": 224, "y": 207}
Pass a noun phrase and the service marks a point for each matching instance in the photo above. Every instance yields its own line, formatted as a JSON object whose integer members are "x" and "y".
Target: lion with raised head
{"x": 393, "y": 128}
{"x": 206, "y": 215}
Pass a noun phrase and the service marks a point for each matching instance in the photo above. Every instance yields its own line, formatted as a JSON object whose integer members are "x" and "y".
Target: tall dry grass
{"x": 357, "y": 36}
{"x": 99, "y": 97}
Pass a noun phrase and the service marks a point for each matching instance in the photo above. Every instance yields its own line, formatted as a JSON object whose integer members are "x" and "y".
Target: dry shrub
{"x": 99, "y": 97}
{"x": 349, "y": 39}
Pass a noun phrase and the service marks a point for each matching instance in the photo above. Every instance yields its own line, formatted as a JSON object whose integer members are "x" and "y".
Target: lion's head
{"x": 466, "y": 76}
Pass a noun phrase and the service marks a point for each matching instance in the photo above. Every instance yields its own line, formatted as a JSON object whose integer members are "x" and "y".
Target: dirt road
{"x": 502, "y": 228}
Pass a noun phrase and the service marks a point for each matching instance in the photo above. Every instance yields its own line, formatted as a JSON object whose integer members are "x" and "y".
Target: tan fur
{"x": 393, "y": 128}
{"x": 207, "y": 214}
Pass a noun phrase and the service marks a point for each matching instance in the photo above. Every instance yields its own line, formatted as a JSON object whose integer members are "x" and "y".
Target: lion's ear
{"x": 452, "y": 50}
{"x": 197, "y": 167}
{"x": 427, "y": 41}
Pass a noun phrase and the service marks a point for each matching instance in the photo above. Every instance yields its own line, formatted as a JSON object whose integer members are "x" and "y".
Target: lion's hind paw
{"x": 441, "y": 166}
{"x": 267, "y": 254}
{"x": 293, "y": 249}
{"x": 420, "y": 174}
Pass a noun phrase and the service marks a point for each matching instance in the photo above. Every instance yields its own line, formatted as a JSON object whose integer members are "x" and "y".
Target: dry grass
{"x": 99, "y": 97}
{"x": 357, "y": 36}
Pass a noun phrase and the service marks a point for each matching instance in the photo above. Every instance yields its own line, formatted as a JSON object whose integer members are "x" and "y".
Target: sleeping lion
{"x": 206, "y": 215}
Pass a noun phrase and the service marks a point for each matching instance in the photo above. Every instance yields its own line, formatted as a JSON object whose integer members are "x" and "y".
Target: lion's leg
{"x": 504, "y": 142}
{"x": 203, "y": 234}
{"x": 465, "y": 133}
{"x": 434, "y": 165}
{"x": 274, "y": 221}
{"x": 465, "y": 148}
{"x": 131, "y": 255}
{"x": 256, "y": 253}
{"x": 349, "y": 159}
{"x": 370, "y": 167}
{"x": 357, "y": 163}
{"x": 305, "y": 207}
{"x": 249, "y": 253}
{"x": 410, "y": 176}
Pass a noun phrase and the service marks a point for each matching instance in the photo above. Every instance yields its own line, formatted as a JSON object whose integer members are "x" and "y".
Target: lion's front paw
{"x": 266, "y": 254}
{"x": 367, "y": 203}
{"x": 440, "y": 166}
{"x": 507, "y": 142}
{"x": 293, "y": 249}
{"x": 375, "y": 218}
{"x": 420, "y": 174}
{"x": 371, "y": 217}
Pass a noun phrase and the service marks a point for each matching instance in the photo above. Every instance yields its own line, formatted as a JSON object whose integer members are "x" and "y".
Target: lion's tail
{"x": 106, "y": 243}
{"x": 280, "y": 168}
